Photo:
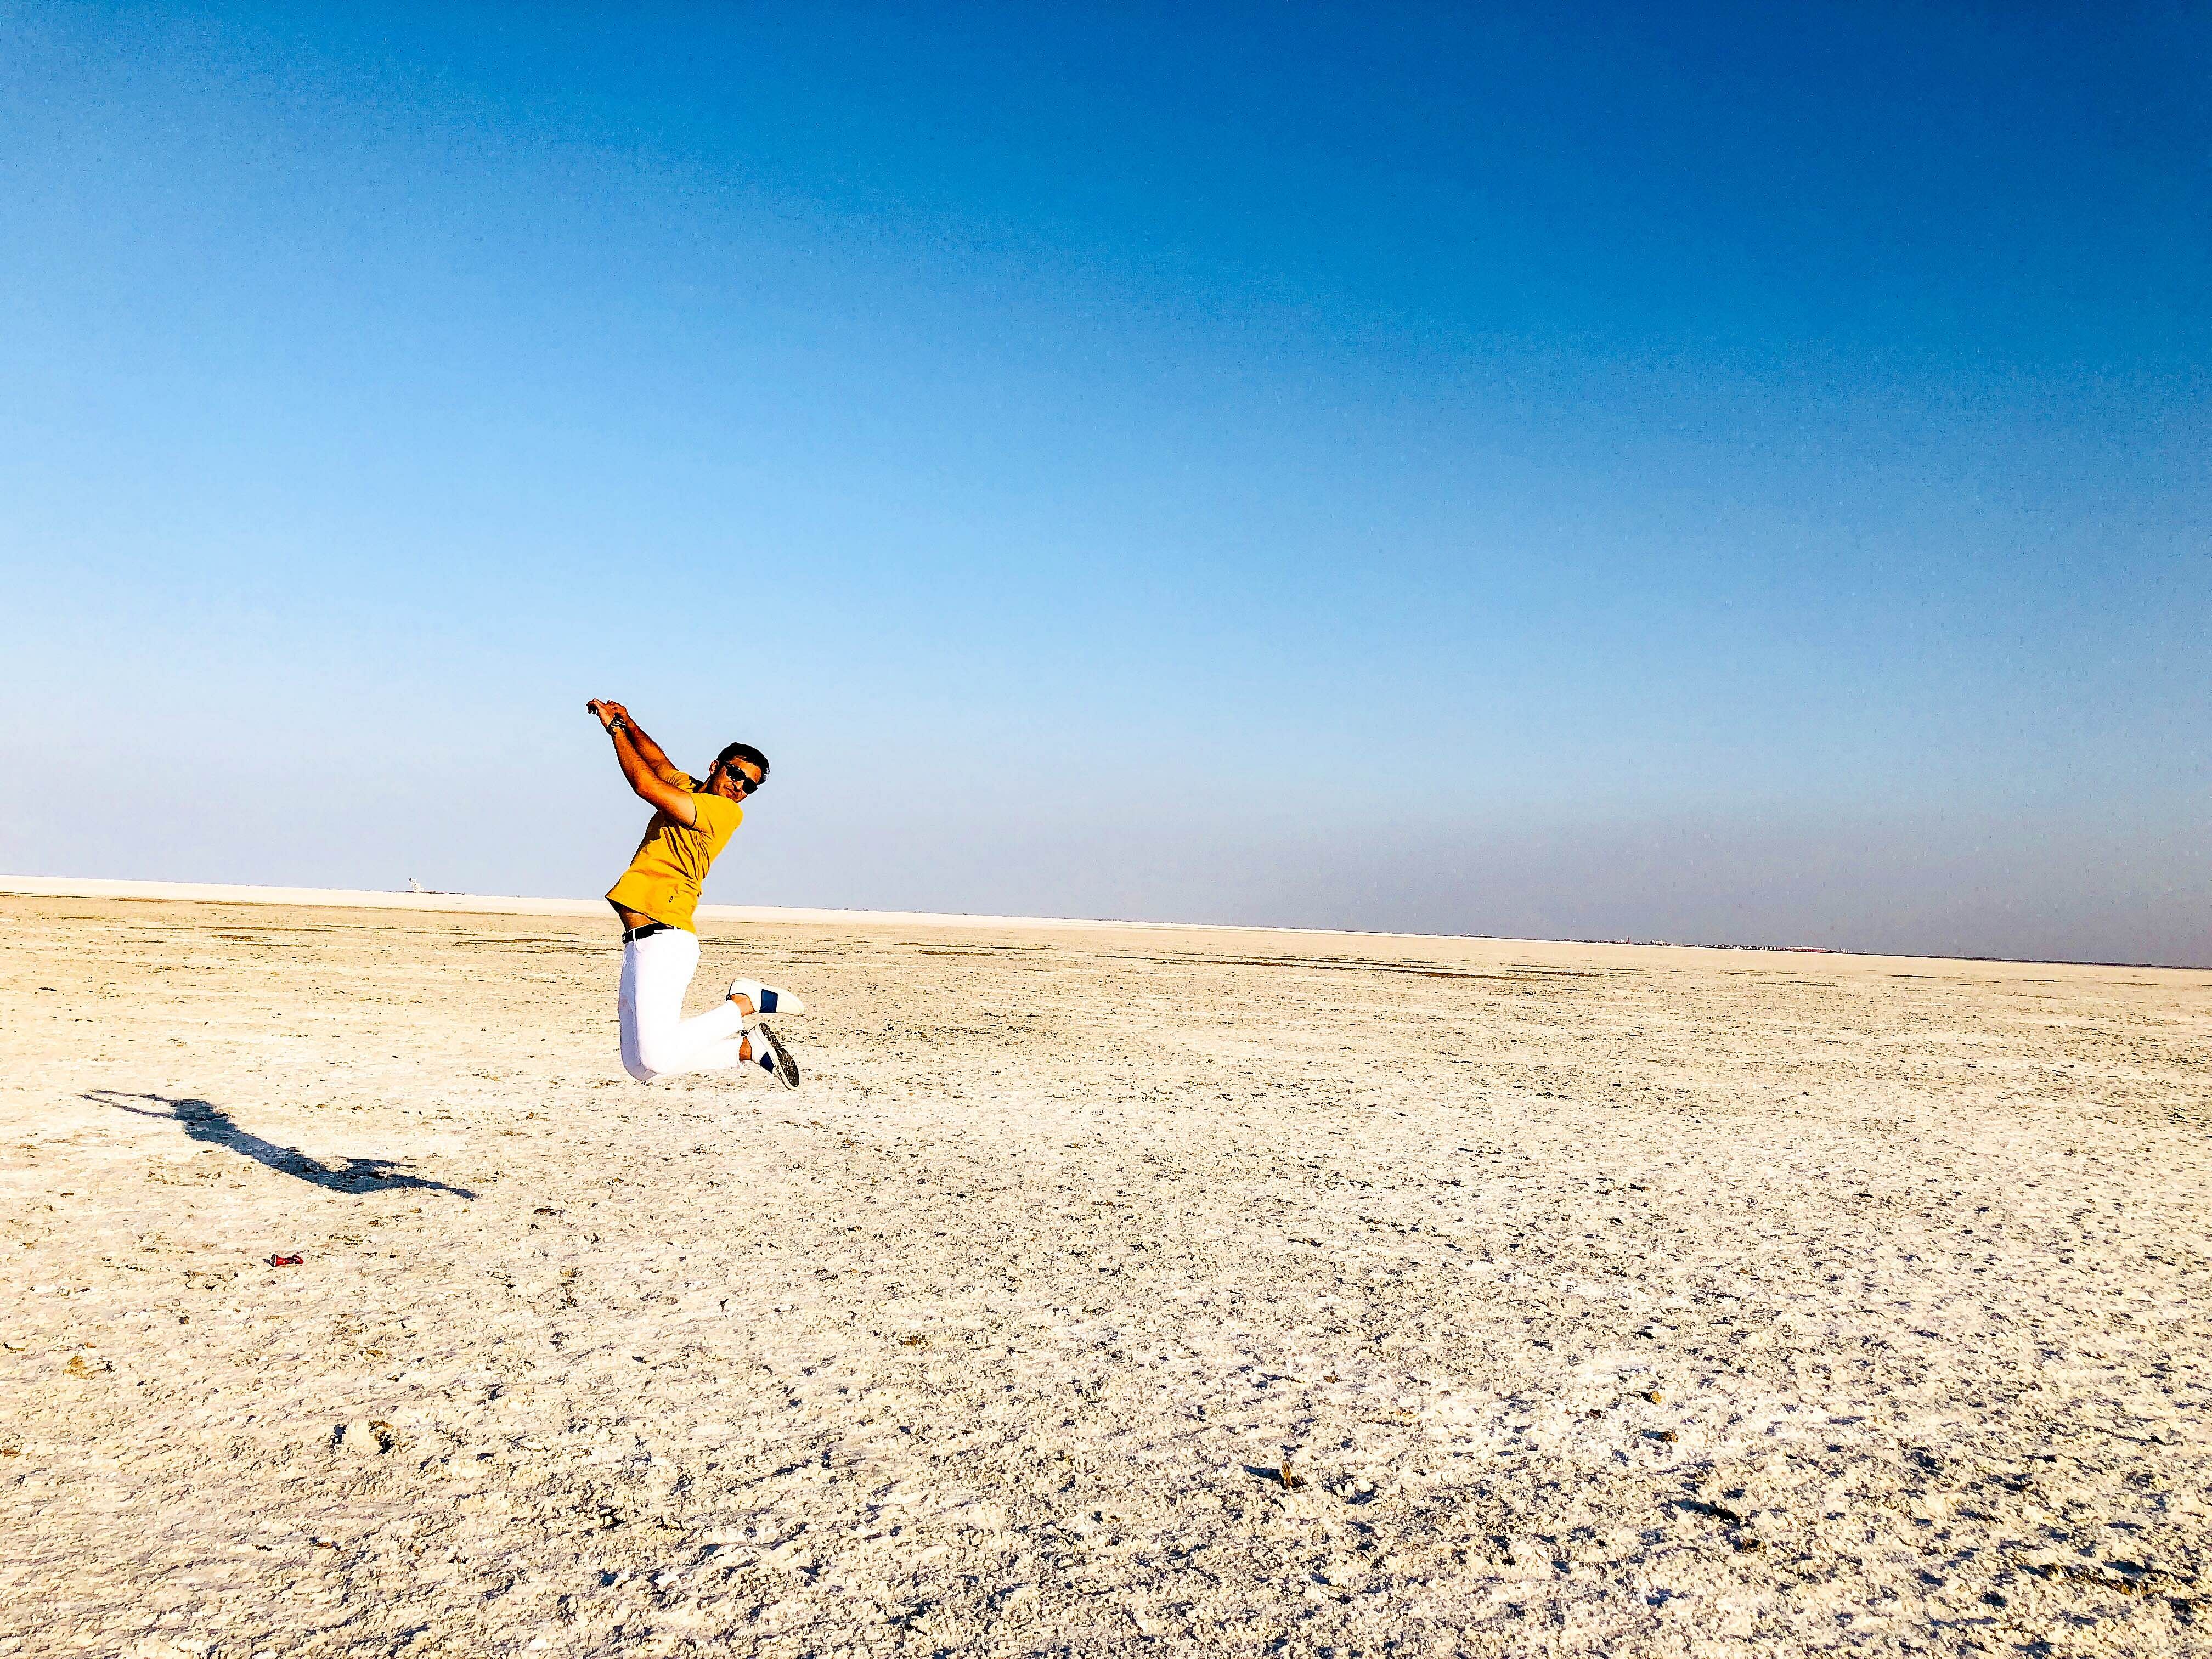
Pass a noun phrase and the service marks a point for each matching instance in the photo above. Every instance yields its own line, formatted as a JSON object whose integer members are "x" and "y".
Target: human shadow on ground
{"x": 211, "y": 1124}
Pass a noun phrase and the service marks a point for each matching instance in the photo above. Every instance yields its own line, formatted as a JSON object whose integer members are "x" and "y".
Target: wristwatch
{"x": 618, "y": 724}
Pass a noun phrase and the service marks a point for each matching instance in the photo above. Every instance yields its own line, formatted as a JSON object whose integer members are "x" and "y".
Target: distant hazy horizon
{"x": 411, "y": 897}
{"x": 2036, "y": 932}
{"x": 1693, "y": 473}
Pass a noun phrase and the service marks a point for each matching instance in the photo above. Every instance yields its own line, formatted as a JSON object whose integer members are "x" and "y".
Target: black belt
{"x": 631, "y": 935}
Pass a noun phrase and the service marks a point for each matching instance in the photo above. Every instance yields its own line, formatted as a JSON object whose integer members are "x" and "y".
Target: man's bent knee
{"x": 653, "y": 1060}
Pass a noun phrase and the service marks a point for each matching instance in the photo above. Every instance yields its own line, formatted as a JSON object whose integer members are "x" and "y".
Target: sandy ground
{"x": 1603, "y": 1300}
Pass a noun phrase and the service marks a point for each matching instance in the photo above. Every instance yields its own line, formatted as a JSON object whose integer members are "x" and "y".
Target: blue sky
{"x": 1706, "y": 473}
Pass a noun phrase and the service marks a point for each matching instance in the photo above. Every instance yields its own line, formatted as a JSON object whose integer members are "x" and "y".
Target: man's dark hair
{"x": 746, "y": 752}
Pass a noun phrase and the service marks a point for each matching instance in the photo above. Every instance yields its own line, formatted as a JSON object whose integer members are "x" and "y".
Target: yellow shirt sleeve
{"x": 717, "y": 818}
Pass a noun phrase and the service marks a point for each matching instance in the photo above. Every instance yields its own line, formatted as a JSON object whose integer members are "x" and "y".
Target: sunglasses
{"x": 750, "y": 782}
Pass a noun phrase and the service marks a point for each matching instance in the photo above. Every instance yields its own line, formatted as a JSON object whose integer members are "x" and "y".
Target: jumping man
{"x": 658, "y": 899}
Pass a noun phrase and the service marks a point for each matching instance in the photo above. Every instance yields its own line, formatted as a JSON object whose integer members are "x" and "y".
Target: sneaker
{"x": 772, "y": 1057}
{"x": 765, "y": 998}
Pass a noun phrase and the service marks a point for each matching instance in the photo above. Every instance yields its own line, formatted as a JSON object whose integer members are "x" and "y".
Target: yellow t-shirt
{"x": 670, "y": 866}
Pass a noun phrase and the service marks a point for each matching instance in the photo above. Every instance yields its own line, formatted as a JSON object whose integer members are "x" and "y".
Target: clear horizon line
{"x": 367, "y": 898}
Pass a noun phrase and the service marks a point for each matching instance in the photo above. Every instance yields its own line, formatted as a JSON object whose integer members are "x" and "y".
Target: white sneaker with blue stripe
{"x": 772, "y": 1057}
{"x": 765, "y": 998}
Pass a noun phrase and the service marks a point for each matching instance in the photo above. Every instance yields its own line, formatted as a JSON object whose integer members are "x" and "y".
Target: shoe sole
{"x": 786, "y": 1068}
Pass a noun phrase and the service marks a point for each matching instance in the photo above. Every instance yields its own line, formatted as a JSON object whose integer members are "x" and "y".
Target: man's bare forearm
{"x": 613, "y": 716}
{"x": 671, "y": 796}
{"x": 627, "y": 756}
{"x": 654, "y": 755}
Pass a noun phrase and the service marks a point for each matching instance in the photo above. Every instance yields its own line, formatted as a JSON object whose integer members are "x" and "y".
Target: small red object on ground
{"x": 288, "y": 1260}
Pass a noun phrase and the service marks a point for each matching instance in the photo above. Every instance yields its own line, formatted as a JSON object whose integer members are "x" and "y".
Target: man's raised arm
{"x": 655, "y": 756}
{"x": 653, "y": 785}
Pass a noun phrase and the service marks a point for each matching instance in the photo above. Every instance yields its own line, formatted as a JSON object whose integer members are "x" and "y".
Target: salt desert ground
{"x": 1602, "y": 1300}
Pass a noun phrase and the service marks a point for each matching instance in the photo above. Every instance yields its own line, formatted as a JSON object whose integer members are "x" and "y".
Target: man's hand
{"x": 606, "y": 713}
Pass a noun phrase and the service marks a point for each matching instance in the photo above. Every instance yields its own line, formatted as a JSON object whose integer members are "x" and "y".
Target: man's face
{"x": 736, "y": 779}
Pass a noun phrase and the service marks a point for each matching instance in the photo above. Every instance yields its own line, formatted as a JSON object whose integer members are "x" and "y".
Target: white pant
{"x": 657, "y": 1040}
